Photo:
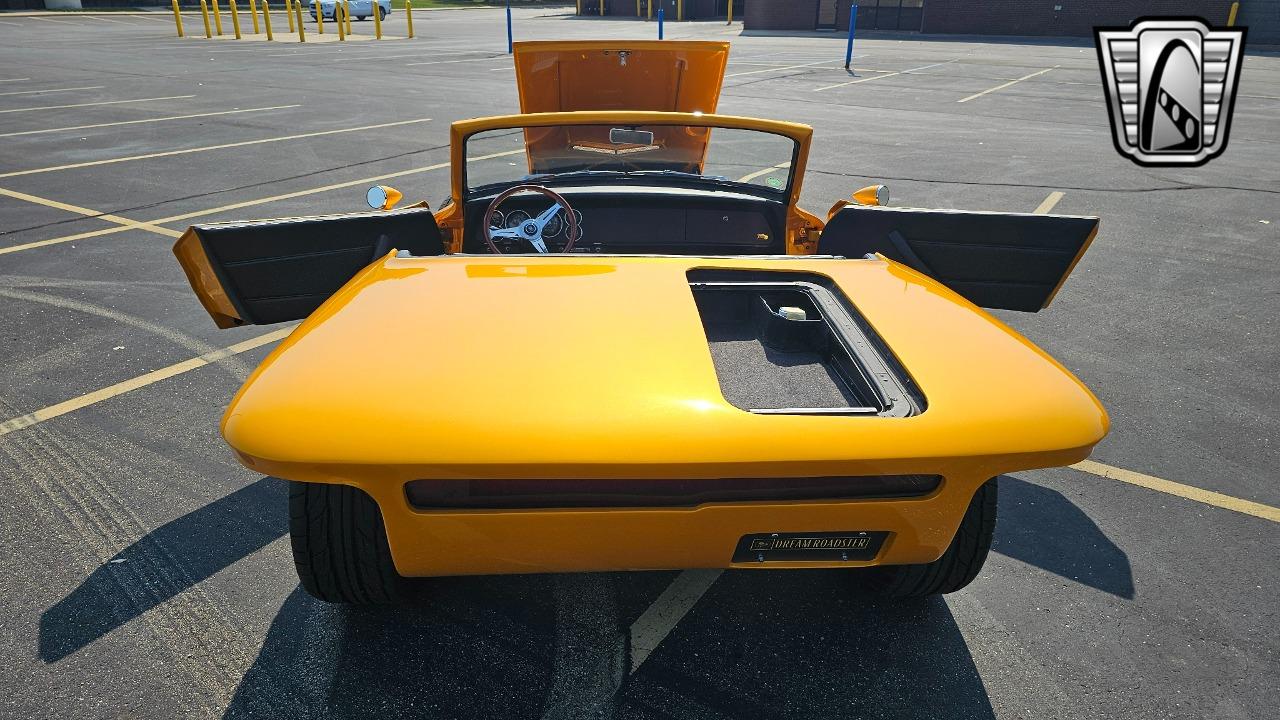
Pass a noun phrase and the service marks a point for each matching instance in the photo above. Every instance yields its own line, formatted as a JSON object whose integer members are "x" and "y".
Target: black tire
{"x": 382, "y": 13}
{"x": 958, "y": 566}
{"x": 362, "y": 18}
{"x": 340, "y": 546}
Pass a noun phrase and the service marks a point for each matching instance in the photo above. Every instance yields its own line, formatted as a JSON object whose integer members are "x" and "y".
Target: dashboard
{"x": 640, "y": 220}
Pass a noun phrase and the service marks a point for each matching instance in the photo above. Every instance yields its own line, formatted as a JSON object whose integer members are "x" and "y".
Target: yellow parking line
{"x": 129, "y": 224}
{"x": 1189, "y": 492}
{"x": 1005, "y": 85}
{"x": 245, "y": 203}
{"x": 881, "y": 77}
{"x": 155, "y": 376}
{"x": 38, "y": 92}
{"x": 1049, "y": 203}
{"x": 108, "y": 102}
{"x": 206, "y": 148}
{"x": 752, "y": 176}
{"x": 148, "y": 120}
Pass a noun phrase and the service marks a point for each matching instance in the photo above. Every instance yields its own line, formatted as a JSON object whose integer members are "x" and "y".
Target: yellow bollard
{"x": 377, "y": 20}
{"x": 1231, "y": 18}
{"x": 337, "y": 19}
{"x": 579, "y": 12}
{"x": 204, "y": 11}
{"x": 288, "y": 12}
{"x": 217, "y": 18}
{"x": 297, "y": 7}
{"x": 319, "y": 16}
{"x": 650, "y": 6}
{"x": 253, "y": 10}
{"x": 266, "y": 20}
{"x": 177, "y": 18}
{"x": 679, "y": 9}
{"x": 235, "y": 18}
{"x": 408, "y": 16}
{"x": 346, "y": 15}
{"x": 730, "y": 22}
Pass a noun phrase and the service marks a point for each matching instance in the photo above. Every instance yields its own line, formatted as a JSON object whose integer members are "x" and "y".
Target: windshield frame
{"x": 800, "y": 135}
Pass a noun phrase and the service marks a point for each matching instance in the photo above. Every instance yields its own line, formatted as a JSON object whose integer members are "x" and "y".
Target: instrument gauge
{"x": 554, "y": 226}
{"x": 516, "y": 218}
{"x": 498, "y": 221}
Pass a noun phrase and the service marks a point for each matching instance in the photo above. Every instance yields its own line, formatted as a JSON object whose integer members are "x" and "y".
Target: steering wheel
{"x": 530, "y": 230}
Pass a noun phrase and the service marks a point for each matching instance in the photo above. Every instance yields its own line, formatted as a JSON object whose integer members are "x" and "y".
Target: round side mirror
{"x": 382, "y": 197}
{"x": 872, "y": 195}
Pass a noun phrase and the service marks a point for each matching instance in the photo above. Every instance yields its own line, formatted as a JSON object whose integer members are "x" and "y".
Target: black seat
{"x": 1012, "y": 261}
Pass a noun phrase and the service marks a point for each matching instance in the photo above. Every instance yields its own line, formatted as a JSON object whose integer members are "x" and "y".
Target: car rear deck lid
{"x": 669, "y": 76}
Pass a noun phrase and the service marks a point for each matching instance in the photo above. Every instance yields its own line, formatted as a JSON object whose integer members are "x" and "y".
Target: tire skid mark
{"x": 232, "y": 365}
{"x": 591, "y": 650}
{"x": 69, "y": 490}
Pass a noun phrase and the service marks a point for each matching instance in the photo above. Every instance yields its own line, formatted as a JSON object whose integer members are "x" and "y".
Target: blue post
{"x": 848, "y": 53}
{"x": 659, "y": 23}
{"x": 508, "y": 27}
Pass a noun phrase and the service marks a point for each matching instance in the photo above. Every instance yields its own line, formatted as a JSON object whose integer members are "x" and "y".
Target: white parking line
{"x": 14, "y": 80}
{"x": 147, "y": 120}
{"x": 657, "y": 622}
{"x": 447, "y": 62}
{"x": 207, "y": 148}
{"x": 107, "y": 102}
{"x": 38, "y": 92}
{"x": 881, "y": 77}
{"x": 776, "y": 69}
{"x": 1005, "y": 85}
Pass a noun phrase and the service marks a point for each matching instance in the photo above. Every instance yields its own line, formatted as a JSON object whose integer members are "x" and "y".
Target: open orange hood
{"x": 667, "y": 75}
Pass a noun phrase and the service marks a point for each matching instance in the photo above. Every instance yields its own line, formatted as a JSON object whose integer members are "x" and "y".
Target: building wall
{"x": 780, "y": 14}
{"x": 1074, "y": 18}
{"x": 1262, "y": 17}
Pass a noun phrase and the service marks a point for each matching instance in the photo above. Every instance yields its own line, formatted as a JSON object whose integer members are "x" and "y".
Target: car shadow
{"x": 1041, "y": 527}
{"x": 164, "y": 563}
{"x": 759, "y": 645}
{"x": 509, "y": 623}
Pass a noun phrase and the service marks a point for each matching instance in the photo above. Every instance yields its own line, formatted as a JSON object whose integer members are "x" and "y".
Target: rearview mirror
{"x": 872, "y": 195}
{"x": 383, "y": 197}
{"x": 625, "y": 136}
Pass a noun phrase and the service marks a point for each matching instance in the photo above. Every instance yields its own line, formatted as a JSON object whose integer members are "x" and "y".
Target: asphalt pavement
{"x": 146, "y": 574}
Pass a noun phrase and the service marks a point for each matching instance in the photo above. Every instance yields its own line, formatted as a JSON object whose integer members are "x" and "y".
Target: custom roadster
{"x": 620, "y": 344}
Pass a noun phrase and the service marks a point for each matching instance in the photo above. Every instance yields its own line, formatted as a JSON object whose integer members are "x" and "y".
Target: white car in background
{"x": 360, "y": 9}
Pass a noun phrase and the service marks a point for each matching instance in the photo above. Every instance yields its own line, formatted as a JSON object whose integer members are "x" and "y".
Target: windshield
{"x": 724, "y": 155}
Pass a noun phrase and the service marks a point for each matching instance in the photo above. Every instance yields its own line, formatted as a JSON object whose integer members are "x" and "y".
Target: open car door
{"x": 1009, "y": 261}
{"x": 270, "y": 271}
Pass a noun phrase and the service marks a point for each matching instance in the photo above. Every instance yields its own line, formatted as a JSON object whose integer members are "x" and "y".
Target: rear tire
{"x": 340, "y": 546}
{"x": 382, "y": 13}
{"x": 957, "y": 567}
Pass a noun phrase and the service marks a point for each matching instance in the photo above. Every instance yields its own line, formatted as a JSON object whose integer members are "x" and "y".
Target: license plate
{"x": 817, "y": 546}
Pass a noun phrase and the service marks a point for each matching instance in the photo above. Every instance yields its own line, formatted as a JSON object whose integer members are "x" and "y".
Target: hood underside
{"x": 603, "y": 367}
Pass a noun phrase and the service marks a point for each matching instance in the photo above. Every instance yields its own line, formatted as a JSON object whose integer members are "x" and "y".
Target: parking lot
{"x": 146, "y": 574}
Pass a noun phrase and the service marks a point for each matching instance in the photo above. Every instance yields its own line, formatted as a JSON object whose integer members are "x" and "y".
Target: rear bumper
{"x": 471, "y": 542}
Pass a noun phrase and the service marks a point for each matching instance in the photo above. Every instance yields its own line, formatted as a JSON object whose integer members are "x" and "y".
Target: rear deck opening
{"x": 789, "y": 343}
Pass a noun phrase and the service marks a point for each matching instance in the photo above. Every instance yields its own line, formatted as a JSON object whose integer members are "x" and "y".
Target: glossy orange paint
{"x": 598, "y": 367}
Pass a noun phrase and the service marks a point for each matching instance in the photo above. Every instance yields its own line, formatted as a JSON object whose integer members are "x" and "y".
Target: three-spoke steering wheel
{"x": 530, "y": 230}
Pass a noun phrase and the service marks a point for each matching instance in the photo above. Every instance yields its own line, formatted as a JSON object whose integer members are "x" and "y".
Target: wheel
{"x": 362, "y": 18}
{"x": 382, "y": 13}
{"x": 340, "y": 546}
{"x": 957, "y": 567}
